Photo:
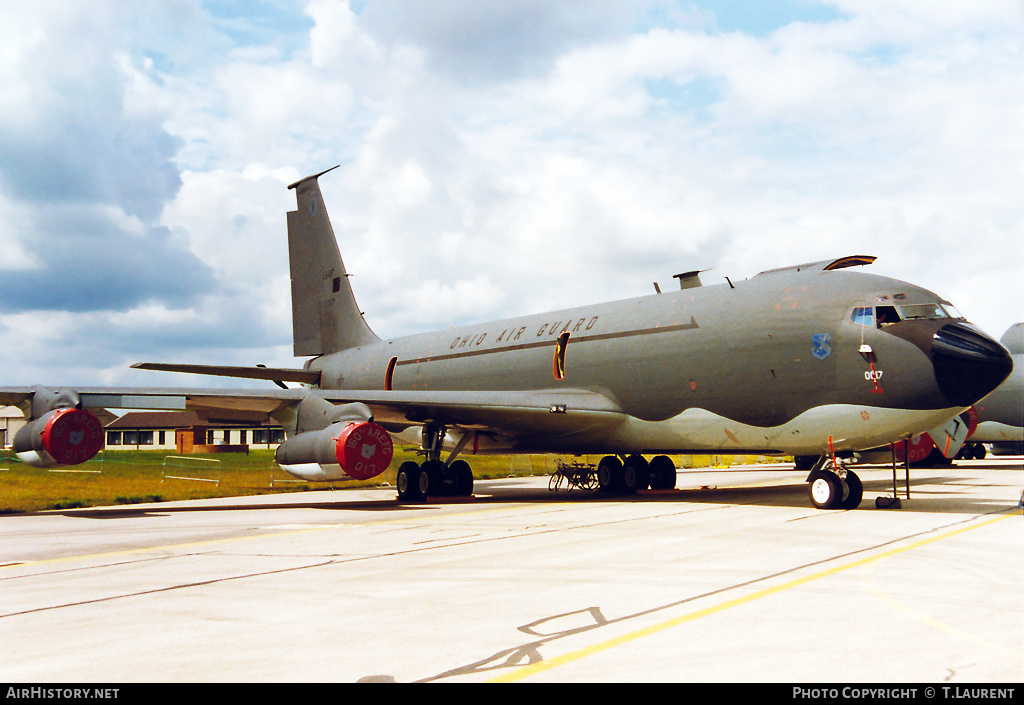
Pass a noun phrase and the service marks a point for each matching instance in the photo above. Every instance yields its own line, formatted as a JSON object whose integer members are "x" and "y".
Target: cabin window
{"x": 558, "y": 367}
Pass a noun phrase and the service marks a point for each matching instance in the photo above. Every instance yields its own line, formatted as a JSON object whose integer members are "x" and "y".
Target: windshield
{"x": 882, "y": 316}
{"x": 928, "y": 311}
{"x": 951, "y": 310}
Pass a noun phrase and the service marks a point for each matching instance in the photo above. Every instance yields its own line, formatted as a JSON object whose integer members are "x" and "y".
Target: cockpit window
{"x": 927, "y": 311}
{"x": 863, "y": 315}
{"x": 882, "y": 316}
{"x": 886, "y": 315}
{"x": 951, "y": 310}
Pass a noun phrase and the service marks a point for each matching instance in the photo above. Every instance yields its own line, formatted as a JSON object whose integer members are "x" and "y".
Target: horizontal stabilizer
{"x": 274, "y": 374}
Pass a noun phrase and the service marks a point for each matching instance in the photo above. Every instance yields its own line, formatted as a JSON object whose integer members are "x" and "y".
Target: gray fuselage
{"x": 756, "y": 354}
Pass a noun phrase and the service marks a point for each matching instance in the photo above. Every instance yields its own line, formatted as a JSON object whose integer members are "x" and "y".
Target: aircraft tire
{"x": 635, "y": 474}
{"x": 609, "y": 474}
{"x": 855, "y": 493}
{"x": 663, "y": 473}
{"x": 431, "y": 479}
{"x": 825, "y": 490}
{"x": 408, "y": 482}
{"x": 463, "y": 475}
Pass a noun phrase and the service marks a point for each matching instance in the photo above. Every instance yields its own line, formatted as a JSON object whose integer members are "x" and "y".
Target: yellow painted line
{"x": 548, "y": 664}
{"x": 868, "y": 577}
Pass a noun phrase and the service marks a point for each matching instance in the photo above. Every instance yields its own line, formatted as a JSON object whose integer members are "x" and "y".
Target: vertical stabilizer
{"x": 325, "y": 317}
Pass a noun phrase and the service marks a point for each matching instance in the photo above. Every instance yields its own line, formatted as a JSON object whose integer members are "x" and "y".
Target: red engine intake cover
{"x": 972, "y": 421}
{"x": 72, "y": 436}
{"x": 921, "y": 445}
{"x": 364, "y": 450}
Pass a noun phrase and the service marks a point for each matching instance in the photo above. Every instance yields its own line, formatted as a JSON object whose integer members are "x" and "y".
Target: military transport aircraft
{"x": 806, "y": 360}
{"x": 1001, "y": 413}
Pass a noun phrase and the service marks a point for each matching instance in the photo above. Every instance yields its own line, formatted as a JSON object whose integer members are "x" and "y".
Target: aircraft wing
{"x": 510, "y": 413}
{"x": 169, "y": 399}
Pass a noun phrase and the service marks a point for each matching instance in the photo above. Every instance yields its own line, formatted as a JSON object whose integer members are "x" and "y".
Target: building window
{"x": 113, "y": 438}
{"x": 260, "y": 436}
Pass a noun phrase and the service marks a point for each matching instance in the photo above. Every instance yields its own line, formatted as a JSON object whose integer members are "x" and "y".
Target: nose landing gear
{"x": 832, "y": 486}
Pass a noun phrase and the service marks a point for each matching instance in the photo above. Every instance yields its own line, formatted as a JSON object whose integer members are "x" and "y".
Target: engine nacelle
{"x": 355, "y": 449}
{"x": 59, "y": 437}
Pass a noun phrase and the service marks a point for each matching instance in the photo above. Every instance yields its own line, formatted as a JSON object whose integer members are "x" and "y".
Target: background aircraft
{"x": 813, "y": 359}
{"x": 1001, "y": 413}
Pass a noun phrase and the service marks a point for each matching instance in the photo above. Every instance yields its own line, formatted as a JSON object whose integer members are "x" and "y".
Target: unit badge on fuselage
{"x": 821, "y": 345}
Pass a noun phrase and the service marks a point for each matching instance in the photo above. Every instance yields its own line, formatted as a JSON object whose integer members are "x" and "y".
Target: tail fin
{"x": 325, "y": 317}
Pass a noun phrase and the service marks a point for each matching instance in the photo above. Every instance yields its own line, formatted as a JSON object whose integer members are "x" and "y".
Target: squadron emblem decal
{"x": 821, "y": 345}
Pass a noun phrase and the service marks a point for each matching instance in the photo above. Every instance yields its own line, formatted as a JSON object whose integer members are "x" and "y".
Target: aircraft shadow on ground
{"x": 948, "y": 492}
{"x": 928, "y": 499}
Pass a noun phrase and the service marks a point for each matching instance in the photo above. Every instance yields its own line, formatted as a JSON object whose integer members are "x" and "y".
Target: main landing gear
{"x": 433, "y": 477}
{"x": 832, "y": 486}
{"x": 634, "y": 473}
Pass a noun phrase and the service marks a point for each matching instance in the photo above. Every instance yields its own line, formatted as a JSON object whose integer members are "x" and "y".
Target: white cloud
{"x": 512, "y": 158}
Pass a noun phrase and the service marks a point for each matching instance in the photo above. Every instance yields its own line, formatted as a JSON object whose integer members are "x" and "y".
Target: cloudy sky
{"x": 497, "y": 158}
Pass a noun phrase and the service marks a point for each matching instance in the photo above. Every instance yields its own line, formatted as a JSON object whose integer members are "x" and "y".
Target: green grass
{"x": 135, "y": 477}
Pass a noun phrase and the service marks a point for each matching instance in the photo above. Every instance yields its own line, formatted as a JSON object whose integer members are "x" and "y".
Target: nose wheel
{"x": 832, "y": 486}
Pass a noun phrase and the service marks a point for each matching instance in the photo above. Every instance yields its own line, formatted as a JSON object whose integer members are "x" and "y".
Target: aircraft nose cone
{"x": 968, "y": 364}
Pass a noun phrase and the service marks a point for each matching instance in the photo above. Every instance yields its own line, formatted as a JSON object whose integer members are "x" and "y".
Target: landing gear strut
{"x": 832, "y": 486}
{"x": 434, "y": 477}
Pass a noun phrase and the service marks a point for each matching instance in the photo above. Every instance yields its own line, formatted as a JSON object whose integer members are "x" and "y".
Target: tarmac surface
{"x": 734, "y": 577}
